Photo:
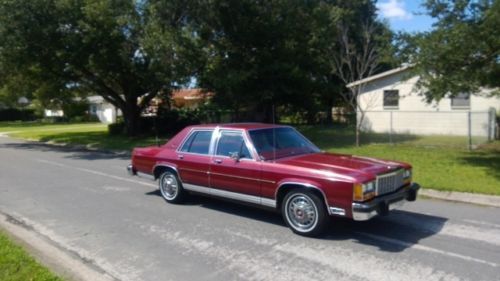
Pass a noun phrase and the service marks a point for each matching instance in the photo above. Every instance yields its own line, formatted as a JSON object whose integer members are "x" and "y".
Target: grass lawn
{"x": 17, "y": 265}
{"x": 94, "y": 135}
{"x": 439, "y": 162}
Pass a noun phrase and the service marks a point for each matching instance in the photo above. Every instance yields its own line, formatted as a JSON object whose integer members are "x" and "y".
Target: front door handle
{"x": 180, "y": 156}
{"x": 217, "y": 161}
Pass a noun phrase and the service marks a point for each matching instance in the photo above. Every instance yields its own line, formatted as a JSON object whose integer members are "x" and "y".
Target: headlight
{"x": 363, "y": 192}
{"x": 407, "y": 176}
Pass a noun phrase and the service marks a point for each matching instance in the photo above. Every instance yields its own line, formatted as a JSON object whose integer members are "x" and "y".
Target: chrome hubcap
{"x": 169, "y": 186}
{"x": 301, "y": 212}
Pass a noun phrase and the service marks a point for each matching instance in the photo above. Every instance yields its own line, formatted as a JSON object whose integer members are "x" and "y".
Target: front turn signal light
{"x": 363, "y": 192}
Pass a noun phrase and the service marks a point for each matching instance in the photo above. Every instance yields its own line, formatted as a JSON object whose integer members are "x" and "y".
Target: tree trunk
{"x": 132, "y": 117}
{"x": 358, "y": 128}
{"x": 329, "y": 116}
{"x": 357, "y": 135}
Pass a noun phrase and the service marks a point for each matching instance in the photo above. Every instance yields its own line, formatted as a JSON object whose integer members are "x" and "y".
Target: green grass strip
{"x": 17, "y": 265}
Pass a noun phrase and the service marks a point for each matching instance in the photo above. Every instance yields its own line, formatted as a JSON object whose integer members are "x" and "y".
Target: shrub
{"x": 14, "y": 114}
{"x": 84, "y": 118}
{"x": 54, "y": 119}
{"x": 116, "y": 128}
{"x": 74, "y": 109}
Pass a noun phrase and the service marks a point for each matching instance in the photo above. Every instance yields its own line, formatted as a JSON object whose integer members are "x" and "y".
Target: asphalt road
{"x": 87, "y": 204}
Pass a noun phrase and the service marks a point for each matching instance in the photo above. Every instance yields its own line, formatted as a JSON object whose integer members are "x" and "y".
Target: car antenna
{"x": 155, "y": 120}
{"x": 274, "y": 134}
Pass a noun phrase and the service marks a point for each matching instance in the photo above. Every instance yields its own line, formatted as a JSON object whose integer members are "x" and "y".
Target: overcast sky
{"x": 403, "y": 15}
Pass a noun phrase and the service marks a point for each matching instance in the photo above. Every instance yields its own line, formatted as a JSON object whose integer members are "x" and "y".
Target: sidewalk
{"x": 463, "y": 197}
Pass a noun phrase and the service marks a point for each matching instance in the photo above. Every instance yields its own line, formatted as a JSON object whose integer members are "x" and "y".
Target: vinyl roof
{"x": 243, "y": 126}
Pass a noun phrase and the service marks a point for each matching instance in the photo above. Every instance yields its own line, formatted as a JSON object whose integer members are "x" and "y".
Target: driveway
{"x": 86, "y": 204}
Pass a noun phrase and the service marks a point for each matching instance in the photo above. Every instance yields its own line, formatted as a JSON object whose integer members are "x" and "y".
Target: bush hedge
{"x": 14, "y": 114}
{"x": 166, "y": 123}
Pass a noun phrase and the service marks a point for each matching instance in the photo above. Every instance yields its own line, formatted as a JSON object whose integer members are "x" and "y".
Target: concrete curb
{"x": 463, "y": 197}
{"x": 47, "y": 252}
{"x": 75, "y": 147}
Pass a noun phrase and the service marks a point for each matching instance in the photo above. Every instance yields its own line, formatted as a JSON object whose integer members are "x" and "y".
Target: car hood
{"x": 343, "y": 164}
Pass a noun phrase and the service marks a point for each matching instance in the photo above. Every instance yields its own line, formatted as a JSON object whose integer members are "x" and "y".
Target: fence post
{"x": 390, "y": 130}
{"x": 491, "y": 124}
{"x": 469, "y": 127}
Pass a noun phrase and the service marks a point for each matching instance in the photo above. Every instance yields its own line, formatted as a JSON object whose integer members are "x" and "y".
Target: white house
{"x": 105, "y": 111}
{"x": 393, "y": 104}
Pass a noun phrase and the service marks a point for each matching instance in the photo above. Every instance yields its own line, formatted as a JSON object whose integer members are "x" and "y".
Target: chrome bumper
{"x": 381, "y": 205}
{"x": 131, "y": 171}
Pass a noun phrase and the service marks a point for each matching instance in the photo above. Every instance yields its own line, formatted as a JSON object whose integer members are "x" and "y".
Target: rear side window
{"x": 198, "y": 142}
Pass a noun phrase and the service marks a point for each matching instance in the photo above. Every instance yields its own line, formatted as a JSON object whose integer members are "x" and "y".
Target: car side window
{"x": 198, "y": 142}
{"x": 232, "y": 142}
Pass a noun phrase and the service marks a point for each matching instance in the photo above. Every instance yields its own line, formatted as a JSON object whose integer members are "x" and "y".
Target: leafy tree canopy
{"x": 462, "y": 52}
{"x": 116, "y": 49}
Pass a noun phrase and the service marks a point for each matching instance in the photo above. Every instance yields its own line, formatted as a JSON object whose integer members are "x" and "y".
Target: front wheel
{"x": 304, "y": 212}
{"x": 171, "y": 187}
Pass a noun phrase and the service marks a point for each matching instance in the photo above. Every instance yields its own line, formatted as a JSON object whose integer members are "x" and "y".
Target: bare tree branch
{"x": 353, "y": 63}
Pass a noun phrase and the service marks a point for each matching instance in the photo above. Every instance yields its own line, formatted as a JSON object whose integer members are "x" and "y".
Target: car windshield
{"x": 274, "y": 143}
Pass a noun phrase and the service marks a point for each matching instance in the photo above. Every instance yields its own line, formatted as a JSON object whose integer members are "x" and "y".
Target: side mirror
{"x": 235, "y": 156}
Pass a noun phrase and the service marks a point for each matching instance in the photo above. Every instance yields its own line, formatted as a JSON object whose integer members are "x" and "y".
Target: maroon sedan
{"x": 275, "y": 167}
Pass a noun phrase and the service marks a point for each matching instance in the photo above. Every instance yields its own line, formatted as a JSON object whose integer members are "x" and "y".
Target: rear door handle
{"x": 217, "y": 161}
{"x": 180, "y": 156}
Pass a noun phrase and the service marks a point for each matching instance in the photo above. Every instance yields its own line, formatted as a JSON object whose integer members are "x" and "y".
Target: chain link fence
{"x": 458, "y": 129}
{"x": 451, "y": 128}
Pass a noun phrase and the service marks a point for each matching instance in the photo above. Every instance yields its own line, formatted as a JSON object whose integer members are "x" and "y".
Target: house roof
{"x": 95, "y": 99}
{"x": 190, "y": 94}
{"x": 379, "y": 76}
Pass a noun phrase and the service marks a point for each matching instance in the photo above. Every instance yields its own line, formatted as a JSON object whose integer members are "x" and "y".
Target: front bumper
{"x": 131, "y": 171}
{"x": 381, "y": 205}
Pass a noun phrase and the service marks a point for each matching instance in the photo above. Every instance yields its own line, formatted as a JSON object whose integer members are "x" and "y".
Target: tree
{"x": 116, "y": 49}
{"x": 258, "y": 54}
{"x": 361, "y": 50}
{"x": 462, "y": 52}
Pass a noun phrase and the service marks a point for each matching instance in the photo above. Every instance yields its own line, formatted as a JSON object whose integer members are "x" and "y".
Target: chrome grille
{"x": 390, "y": 182}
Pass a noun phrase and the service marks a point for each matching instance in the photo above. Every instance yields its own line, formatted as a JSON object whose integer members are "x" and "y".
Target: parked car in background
{"x": 275, "y": 167}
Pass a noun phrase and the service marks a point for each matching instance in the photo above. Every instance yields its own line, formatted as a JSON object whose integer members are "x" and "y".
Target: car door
{"x": 193, "y": 159}
{"x": 233, "y": 168}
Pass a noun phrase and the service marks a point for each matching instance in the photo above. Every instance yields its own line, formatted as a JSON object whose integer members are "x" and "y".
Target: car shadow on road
{"x": 393, "y": 233}
{"x": 72, "y": 152}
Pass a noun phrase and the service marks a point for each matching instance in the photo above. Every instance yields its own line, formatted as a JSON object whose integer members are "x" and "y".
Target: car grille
{"x": 390, "y": 182}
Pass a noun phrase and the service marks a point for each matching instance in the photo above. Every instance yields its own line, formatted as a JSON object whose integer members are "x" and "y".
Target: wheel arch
{"x": 159, "y": 168}
{"x": 287, "y": 186}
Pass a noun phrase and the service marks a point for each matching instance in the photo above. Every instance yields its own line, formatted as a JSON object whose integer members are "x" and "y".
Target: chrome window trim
{"x": 231, "y": 195}
{"x": 192, "y": 131}
{"x": 246, "y": 139}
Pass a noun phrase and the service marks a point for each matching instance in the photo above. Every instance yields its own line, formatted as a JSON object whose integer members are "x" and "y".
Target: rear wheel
{"x": 304, "y": 212}
{"x": 171, "y": 187}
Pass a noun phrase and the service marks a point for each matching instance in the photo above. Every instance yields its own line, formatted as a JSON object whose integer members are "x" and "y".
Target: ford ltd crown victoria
{"x": 274, "y": 166}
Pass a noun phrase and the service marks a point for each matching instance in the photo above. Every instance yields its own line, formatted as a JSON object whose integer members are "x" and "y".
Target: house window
{"x": 461, "y": 100}
{"x": 93, "y": 109}
{"x": 391, "y": 99}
